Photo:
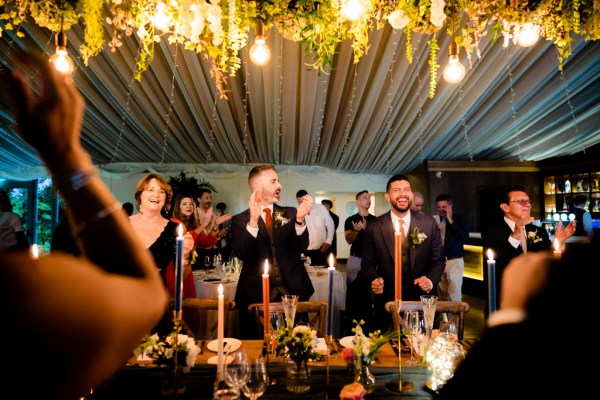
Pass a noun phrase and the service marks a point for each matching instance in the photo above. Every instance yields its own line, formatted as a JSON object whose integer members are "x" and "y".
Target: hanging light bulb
{"x": 454, "y": 72}
{"x": 61, "y": 60}
{"x": 260, "y": 54}
{"x": 353, "y": 9}
{"x": 528, "y": 35}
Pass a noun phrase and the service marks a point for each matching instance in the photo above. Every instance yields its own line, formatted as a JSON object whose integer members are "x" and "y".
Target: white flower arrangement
{"x": 161, "y": 350}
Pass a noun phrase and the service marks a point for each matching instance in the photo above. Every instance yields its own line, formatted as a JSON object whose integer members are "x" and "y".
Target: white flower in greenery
{"x": 398, "y": 20}
{"x": 437, "y": 13}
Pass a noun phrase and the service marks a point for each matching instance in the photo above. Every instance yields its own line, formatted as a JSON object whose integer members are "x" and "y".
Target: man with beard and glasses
{"x": 254, "y": 242}
{"x": 422, "y": 252}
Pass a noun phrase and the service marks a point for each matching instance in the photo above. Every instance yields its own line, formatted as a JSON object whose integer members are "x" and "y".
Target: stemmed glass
{"x": 290, "y": 302}
{"x": 277, "y": 323}
{"x": 237, "y": 371}
{"x": 413, "y": 321}
{"x": 207, "y": 264}
{"x": 256, "y": 384}
{"x": 429, "y": 306}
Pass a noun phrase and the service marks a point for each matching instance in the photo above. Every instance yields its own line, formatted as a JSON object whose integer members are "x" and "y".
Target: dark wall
{"x": 473, "y": 191}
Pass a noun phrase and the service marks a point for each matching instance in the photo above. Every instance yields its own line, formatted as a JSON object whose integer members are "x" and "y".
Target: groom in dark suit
{"x": 254, "y": 243}
{"x": 422, "y": 252}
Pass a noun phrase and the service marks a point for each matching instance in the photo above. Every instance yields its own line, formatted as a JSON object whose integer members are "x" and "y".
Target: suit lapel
{"x": 387, "y": 232}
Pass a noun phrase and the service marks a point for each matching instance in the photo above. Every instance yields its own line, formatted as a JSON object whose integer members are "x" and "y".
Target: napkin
{"x": 321, "y": 346}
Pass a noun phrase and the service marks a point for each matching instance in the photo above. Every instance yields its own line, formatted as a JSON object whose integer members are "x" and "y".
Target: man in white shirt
{"x": 321, "y": 230}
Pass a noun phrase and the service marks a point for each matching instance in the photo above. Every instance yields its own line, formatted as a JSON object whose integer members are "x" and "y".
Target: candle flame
{"x": 490, "y": 255}
{"x": 180, "y": 230}
{"x": 331, "y": 260}
{"x": 34, "y": 251}
{"x": 266, "y": 267}
{"x": 220, "y": 289}
{"x": 556, "y": 245}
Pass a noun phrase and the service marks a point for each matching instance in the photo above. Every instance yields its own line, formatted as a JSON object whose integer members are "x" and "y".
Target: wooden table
{"x": 143, "y": 382}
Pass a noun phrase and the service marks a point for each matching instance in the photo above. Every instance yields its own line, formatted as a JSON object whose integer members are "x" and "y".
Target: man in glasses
{"x": 516, "y": 234}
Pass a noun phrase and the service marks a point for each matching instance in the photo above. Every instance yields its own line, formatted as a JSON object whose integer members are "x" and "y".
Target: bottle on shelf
{"x": 567, "y": 186}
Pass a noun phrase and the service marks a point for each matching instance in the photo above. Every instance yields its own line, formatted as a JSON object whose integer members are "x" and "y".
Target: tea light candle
{"x": 331, "y": 270}
{"x": 34, "y": 251}
{"x": 398, "y": 262}
{"x": 266, "y": 300}
{"x": 557, "y": 252}
{"x": 491, "y": 271}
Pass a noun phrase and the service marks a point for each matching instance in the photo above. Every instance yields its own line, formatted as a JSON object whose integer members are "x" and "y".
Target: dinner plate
{"x": 215, "y": 360}
{"x": 347, "y": 341}
{"x": 232, "y": 344}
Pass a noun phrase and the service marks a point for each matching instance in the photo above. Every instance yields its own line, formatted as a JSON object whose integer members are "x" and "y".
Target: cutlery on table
{"x": 395, "y": 347}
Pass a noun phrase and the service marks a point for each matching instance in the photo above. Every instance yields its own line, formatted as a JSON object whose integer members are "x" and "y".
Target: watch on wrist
{"x": 300, "y": 223}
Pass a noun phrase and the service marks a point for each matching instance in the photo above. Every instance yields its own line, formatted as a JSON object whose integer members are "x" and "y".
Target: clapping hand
{"x": 305, "y": 207}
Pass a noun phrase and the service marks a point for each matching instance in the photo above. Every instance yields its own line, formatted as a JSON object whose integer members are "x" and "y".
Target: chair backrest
{"x": 315, "y": 310}
{"x": 199, "y": 316}
{"x": 458, "y": 309}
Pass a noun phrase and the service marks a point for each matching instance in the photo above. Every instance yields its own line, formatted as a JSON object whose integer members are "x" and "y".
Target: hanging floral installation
{"x": 219, "y": 29}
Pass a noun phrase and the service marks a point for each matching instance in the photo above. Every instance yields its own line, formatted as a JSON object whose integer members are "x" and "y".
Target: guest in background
{"x": 86, "y": 313}
{"x": 224, "y": 235}
{"x": 454, "y": 231}
{"x": 422, "y": 251}
{"x": 62, "y": 239}
{"x": 159, "y": 234}
{"x": 583, "y": 218}
{"x": 12, "y": 234}
{"x": 418, "y": 201}
{"x": 185, "y": 212}
{"x": 336, "y": 223}
{"x": 516, "y": 234}
{"x": 254, "y": 243}
{"x": 321, "y": 231}
{"x": 537, "y": 288}
{"x": 128, "y": 208}
{"x": 204, "y": 200}
{"x": 358, "y": 293}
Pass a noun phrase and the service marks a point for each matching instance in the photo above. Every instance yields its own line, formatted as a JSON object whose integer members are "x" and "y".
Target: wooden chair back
{"x": 196, "y": 319}
{"x": 458, "y": 309}
{"x": 316, "y": 311}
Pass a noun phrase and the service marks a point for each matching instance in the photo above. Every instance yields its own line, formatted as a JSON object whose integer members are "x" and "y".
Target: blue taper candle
{"x": 491, "y": 272}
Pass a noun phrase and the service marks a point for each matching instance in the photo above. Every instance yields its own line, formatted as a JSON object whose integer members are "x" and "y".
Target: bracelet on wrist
{"x": 76, "y": 181}
{"x": 100, "y": 215}
{"x": 298, "y": 223}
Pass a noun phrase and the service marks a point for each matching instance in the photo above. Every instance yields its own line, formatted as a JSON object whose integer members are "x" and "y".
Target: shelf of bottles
{"x": 560, "y": 192}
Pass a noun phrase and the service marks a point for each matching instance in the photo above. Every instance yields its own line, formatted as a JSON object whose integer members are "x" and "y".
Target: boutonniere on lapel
{"x": 280, "y": 220}
{"x": 532, "y": 237}
{"x": 417, "y": 237}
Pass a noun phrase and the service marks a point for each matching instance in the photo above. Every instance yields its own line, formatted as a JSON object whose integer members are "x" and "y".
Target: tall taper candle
{"x": 330, "y": 297}
{"x": 398, "y": 263}
{"x": 179, "y": 272}
{"x": 220, "y": 332}
{"x": 266, "y": 300}
{"x": 491, "y": 272}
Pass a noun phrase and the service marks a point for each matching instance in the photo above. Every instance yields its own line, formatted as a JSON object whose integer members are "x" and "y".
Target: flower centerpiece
{"x": 364, "y": 352}
{"x": 163, "y": 350}
{"x": 298, "y": 344}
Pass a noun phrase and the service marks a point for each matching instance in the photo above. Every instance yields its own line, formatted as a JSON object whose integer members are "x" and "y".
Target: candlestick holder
{"x": 400, "y": 385}
{"x": 271, "y": 381}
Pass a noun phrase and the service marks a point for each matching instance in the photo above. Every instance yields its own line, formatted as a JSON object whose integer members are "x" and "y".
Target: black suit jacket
{"x": 254, "y": 250}
{"x": 495, "y": 237}
{"x": 425, "y": 259}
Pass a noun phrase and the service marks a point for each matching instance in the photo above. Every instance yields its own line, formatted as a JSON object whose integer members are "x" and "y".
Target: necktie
{"x": 402, "y": 233}
{"x": 268, "y": 219}
{"x": 524, "y": 240}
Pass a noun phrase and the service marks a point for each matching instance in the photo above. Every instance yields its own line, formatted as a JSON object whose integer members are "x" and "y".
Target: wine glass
{"x": 256, "y": 384}
{"x": 414, "y": 328}
{"x": 290, "y": 302}
{"x": 237, "y": 371}
{"x": 207, "y": 264}
{"x": 277, "y": 323}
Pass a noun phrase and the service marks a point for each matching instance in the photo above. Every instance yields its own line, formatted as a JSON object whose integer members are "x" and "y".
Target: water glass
{"x": 290, "y": 302}
{"x": 449, "y": 329}
{"x": 429, "y": 303}
{"x": 237, "y": 371}
{"x": 256, "y": 384}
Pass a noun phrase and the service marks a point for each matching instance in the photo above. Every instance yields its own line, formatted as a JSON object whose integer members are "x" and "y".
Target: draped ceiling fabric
{"x": 373, "y": 117}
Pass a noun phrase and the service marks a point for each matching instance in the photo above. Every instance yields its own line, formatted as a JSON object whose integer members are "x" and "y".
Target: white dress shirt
{"x": 320, "y": 227}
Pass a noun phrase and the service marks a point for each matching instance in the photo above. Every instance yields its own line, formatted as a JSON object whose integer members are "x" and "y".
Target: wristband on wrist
{"x": 76, "y": 180}
{"x": 300, "y": 223}
{"x": 100, "y": 215}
